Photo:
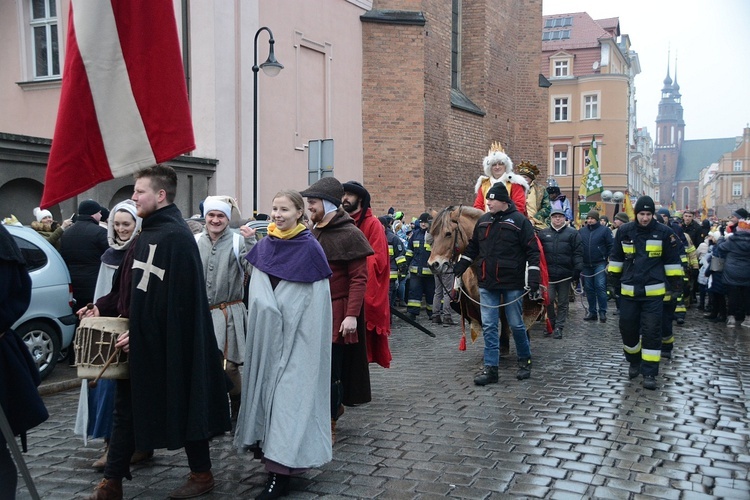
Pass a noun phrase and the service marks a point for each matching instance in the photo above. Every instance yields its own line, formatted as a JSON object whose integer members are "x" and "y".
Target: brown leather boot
{"x": 197, "y": 484}
{"x": 107, "y": 489}
{"x": 141, "y": 456}
{"x": 102, "y": 462}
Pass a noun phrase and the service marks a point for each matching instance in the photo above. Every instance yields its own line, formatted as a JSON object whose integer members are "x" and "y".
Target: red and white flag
{"x": 123, "y": 102}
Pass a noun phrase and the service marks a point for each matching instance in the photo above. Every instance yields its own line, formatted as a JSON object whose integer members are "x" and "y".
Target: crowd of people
{"x": 271, "y": 338}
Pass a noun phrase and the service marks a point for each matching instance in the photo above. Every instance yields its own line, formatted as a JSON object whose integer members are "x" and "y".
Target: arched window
{"x": 686, "y": 197}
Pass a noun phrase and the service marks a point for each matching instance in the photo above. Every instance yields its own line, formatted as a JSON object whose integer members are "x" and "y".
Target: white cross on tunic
{"x": 148, "y": 269}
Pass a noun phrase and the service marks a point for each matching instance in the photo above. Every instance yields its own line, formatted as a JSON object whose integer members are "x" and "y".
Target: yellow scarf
{"x": 285, "y": 235}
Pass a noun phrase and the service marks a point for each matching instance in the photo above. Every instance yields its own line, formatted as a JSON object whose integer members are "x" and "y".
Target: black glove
{"x": 402, "y": 269}
{"x": 534, "y": 279}
{"x": 460, "y": 267}
{"x": 676, "y": 285}
{"x": 613, "y": 284}
{"x": 576, "y": 276}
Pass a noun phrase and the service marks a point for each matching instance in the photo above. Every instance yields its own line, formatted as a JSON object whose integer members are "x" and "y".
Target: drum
{"x": 94, "y": 346}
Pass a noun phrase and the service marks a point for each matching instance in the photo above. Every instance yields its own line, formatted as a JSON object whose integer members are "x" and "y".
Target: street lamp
{"x": 271, "y": 67}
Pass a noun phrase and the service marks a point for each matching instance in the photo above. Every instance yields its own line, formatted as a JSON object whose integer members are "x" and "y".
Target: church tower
{"x": 670, "y": 132}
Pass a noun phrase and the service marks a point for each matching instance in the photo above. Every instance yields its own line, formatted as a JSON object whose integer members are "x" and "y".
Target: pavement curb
{"x": 55, "y": 387}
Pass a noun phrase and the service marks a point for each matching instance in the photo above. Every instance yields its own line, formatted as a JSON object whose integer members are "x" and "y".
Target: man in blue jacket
{"x": 597, "y": 244}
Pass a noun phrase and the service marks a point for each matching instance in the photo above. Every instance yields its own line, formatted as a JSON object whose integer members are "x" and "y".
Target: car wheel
{"x": 43, "y": 343}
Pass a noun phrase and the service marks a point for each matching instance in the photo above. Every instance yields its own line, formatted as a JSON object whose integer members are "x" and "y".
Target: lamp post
{"x": 271, "y": 67}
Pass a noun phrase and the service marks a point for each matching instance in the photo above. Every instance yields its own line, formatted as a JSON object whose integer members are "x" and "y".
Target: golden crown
{"x": 526, "y": 168}
{"x": 496, "y": 147}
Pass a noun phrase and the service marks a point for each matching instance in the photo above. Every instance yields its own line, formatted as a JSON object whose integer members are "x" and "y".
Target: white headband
{"x": 212, "y": 203}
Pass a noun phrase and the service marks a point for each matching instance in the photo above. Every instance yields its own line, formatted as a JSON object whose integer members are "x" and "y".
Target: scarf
{"x": 285, "y": 235}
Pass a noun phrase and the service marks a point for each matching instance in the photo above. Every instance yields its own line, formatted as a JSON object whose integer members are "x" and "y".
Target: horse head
{"x": 451, "y": 230}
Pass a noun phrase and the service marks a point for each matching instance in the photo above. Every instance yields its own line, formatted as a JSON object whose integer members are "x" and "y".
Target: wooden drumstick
{"x": 92, "y": 384}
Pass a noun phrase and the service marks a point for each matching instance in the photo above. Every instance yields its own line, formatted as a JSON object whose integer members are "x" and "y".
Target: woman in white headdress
{"x": 96, "y": 406}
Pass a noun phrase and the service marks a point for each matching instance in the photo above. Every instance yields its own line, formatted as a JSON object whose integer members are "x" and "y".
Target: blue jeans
{"x": 596, "y": 287}
{"x": 490, "y": 299}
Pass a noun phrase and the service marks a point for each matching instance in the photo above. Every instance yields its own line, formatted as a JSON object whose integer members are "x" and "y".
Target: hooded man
{"x": 346, "y": 249}
{"x": 356, "y": 202}
{"x": 559, "y": 201}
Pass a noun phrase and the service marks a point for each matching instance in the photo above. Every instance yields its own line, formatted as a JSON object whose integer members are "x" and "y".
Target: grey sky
{"x": 709, "y": 41}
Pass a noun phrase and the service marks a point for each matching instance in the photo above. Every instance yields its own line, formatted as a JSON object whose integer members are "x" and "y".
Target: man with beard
{"x": 346, "y": 249}
{"x": 356, "y": 202}
{"x": 175, "y": 395}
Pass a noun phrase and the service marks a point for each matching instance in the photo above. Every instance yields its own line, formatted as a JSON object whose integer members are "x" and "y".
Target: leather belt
{"x": 223, "y": 306}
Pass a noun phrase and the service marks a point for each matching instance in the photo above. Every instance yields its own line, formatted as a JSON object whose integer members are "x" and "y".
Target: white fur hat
{"x": 496, "y": 155}
{"x": 41, "y": 214}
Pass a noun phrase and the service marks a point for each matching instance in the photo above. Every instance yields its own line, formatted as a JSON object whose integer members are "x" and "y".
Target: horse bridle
{"x": 454, "y": 251}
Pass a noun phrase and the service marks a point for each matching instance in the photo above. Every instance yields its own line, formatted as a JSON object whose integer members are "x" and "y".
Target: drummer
{"x": 160, "y": 288}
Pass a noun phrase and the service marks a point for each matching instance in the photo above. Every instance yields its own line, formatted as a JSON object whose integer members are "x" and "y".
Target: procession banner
{"x": 123, "y": 101}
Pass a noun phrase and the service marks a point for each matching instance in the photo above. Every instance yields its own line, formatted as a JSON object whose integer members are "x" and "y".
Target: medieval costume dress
{"x": 538, "y": 205}
{"x": 377, "y": 305}
{"x": 96, "y": 405}
{"x": 346, "y": 250}
{"x": 178, "y": 387}
{"x": 285, "y": 411}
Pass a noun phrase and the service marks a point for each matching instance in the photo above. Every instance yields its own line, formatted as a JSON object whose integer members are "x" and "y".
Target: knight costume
{"x": 176, "y": 379}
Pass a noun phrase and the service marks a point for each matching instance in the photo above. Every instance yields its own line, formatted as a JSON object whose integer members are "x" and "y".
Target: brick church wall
{"x": 419, "y": 151}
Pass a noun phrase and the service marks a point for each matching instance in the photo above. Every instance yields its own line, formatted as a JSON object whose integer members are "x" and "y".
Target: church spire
{"x": 668, "y": 79}
{"x": 676, "y": 85}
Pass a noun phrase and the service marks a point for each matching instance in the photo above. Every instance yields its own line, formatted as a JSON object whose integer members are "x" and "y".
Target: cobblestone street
{"x": 577, "y": 429}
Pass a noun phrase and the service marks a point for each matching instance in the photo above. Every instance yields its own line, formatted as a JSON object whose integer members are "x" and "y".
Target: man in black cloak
{"x": 176, "y": 395}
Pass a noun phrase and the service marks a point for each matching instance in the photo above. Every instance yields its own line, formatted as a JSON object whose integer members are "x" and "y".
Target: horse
{"x": 451, "y": 231}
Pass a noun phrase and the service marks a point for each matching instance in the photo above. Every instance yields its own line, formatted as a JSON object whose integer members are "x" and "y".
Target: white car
{"x": 49, "y": 324}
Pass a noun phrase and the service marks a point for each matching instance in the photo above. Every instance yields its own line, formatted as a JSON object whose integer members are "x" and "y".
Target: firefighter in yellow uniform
{"x": 644, "y": 264}
{"x": 421, "y": 280}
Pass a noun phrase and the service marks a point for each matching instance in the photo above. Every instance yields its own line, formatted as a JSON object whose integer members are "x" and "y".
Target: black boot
{"x": 488, "y": 376}
{"x": 234, "y": 409}
{"x": 524, "y": 369}
{"x": 634, "y": 370}
{"x": 276, "y": 487}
